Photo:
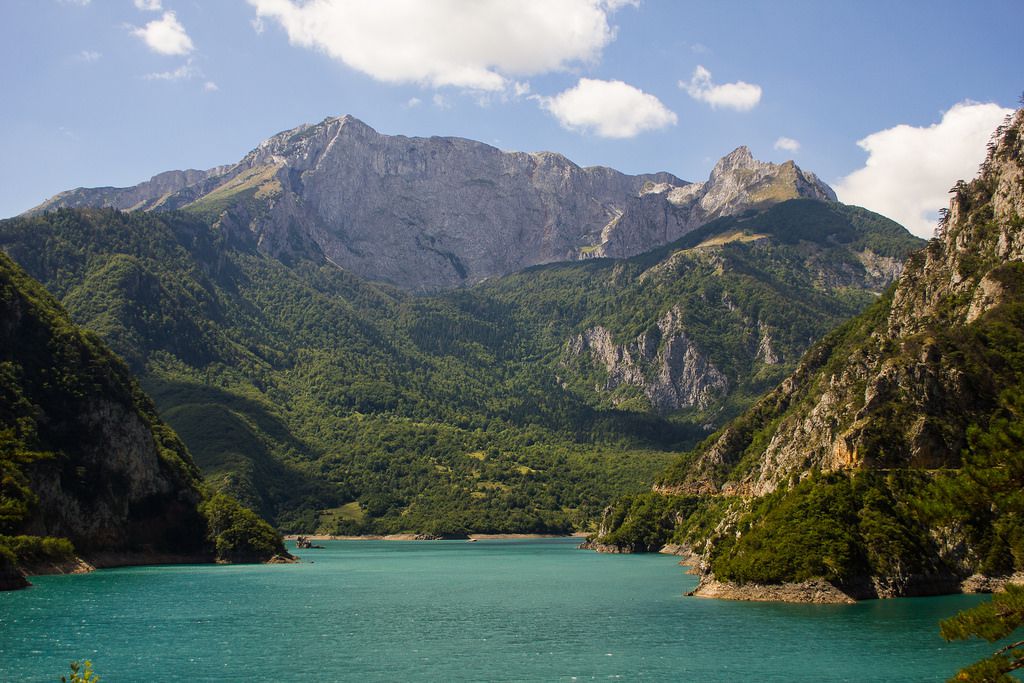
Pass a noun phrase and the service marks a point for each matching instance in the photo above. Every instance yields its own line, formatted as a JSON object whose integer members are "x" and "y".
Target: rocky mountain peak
{"x": 430, "y": 213}
{"x": 739, "y": 158}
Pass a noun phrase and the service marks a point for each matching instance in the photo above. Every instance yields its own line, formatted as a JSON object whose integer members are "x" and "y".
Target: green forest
{"x": 332, "y": 404}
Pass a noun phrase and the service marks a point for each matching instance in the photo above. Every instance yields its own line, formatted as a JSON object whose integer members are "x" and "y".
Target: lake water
{"x": 452, "y": 611}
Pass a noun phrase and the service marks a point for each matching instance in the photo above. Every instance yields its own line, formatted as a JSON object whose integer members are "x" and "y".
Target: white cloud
{"x": 148, "y": 5}
{"x": 166, "y": 35}
{"x": 88, "y": 56}
{"x": 413, "y": 102}
{"x": 787, "y": 145}
{"x": 441, "y": 102}
{"x": 909, "y": 170}
{"x": 80, "y": 3}
{"x": 210, "y": 86}
{"x": 611, "y": 109}
{"x": 477, "y": 45}
{"x": 739, "y": 95}
{"x": 184, "y": 72}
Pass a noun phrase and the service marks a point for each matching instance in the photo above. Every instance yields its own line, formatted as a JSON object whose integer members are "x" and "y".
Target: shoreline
{"x": 822, "y": 592}
{"x": 413, "y": 537}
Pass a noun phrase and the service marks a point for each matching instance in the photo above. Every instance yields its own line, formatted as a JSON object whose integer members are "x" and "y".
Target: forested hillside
{"x": 890, "y": 462}
{"x": 522, "y": 404}
{"x": 87, "y": 468}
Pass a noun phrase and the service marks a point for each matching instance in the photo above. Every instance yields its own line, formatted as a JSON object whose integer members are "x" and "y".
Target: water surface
{"x": 452, "y": 611}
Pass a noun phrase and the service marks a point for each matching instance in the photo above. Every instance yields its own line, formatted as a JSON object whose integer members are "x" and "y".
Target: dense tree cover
{"x": 238, "y": 533}
{"x": 300, "y": 388}
{"x": 993, "y": 621}
{"x": 52, "y": 375}
{"x": 63, "y": 397}
{"x": 923, "y": 390}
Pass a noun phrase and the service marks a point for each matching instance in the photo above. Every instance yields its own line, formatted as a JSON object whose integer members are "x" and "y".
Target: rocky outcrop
{"x": 95, "y": 465}
{"x": 428, "y": 213}
{"x": 896, "y": 366}
{"x": 663, "y": 363}
{"x": 895, "y": 393}
{"x": 823, "y": 592}
{"x": 815, "y": 592}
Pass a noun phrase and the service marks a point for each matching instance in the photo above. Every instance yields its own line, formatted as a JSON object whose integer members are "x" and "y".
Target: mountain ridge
{"x": 433, "y": 213}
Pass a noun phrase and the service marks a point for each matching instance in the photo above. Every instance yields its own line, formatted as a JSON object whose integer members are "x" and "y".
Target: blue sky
{"x": 110, "y": 92}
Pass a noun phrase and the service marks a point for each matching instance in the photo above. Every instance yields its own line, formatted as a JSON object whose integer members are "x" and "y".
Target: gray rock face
{"x": 430, "y": 213}
{"x": 901, "y": 370}
{"x": 670, "y": 370}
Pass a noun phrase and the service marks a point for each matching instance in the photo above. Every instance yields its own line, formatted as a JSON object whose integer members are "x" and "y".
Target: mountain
{"x": 434, "y": 213}
{"x": 88, "y": 467}
{"x": 524, "y": 403}
{"x": 889, "y": 463}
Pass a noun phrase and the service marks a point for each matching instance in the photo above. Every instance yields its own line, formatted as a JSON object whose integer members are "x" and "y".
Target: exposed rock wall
{"x": 897, "y": 366}
{"x": 103, "y": 471}
{"x": 664, "y": 364}
{"x": 429, "y": 213}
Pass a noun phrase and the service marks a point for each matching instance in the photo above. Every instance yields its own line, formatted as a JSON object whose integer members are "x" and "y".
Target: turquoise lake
{"x": 450, "y": 611}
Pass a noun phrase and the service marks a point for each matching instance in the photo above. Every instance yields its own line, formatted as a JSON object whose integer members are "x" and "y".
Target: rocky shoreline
{"x": 821, "y": 592}
{"x": 19, "y": 577}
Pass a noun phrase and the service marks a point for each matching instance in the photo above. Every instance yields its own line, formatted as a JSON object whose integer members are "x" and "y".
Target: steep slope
{"x": 331, "y": 403}
{"x": 85, "y": 453}
{"x": 88, "y": 468}
{"x": 889, "y": 462}
{"x": 430, "y": 213}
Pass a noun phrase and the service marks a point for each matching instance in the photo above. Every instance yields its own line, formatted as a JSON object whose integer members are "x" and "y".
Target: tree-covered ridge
{"x": 892, "y": 456}
{"x": 335, "y": 404}
{"x": 86, "y": 464}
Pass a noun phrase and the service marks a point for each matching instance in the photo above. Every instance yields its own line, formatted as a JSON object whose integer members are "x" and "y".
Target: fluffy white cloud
{"x": 477, "y": 45}
{"x": 611, "y": 109}
{"x": 148, "y": 5}
{"x": 166, "y": 35}
{"x": 88, "y": 56}
{"x": 909, "y": 170}
{"x": 210, "y": 86}
{"x": 740, "y": 96}
{"x": 787, "y": 145}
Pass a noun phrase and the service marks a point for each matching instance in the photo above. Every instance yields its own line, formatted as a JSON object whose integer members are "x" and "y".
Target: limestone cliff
{"x": 664, "y": 363}
{"x": 888, "y": 463}
{"x": 429, "y": 213}
{"x": 85, "y": 457}
{"x": 897, "y": 387}
{"x": 725, "y": 311}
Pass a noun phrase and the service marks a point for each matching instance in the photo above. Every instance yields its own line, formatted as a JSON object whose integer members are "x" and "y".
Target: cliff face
{"x": 429, "y": 213}
{"x": 83, "y": 453}
{"x": 899, "y": 386}
{"x": 889, "y": 463}
{"x": 724, "y": 311}
{"x": 664, "y": 363}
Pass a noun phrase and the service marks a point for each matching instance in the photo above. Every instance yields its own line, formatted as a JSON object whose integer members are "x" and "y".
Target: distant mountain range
{"x": 433, "y": 213}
